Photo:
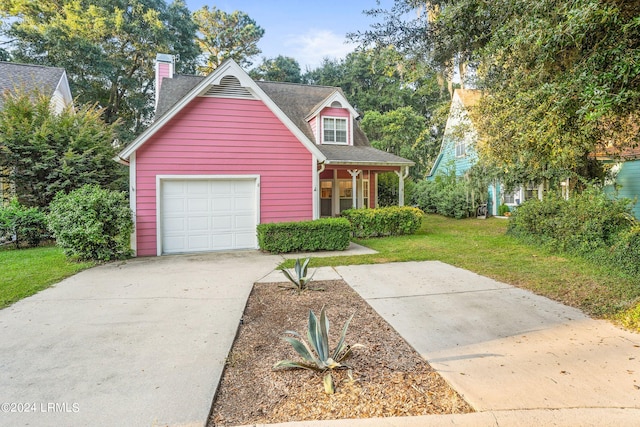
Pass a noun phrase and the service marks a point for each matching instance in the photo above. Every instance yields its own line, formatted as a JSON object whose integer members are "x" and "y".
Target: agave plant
{"x": 317, "y": 354}
{"x": 300, "y": 281}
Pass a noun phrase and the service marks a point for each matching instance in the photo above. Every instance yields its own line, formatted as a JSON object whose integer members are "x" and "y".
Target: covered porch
{"x": 348, "y": 177}
{"x": 348, "y": 186}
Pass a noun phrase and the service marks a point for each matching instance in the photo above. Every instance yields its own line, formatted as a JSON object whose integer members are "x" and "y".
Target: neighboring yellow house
{"x": 48, "y": 80}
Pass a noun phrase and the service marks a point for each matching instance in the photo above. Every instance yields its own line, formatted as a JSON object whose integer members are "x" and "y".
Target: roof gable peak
{"x": 336, "y": 96}
{"x": 215, "y": 78}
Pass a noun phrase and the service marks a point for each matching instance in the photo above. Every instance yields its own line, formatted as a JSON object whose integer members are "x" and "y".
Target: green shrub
{"x": 447, "y": 195}
{"x": 424, "y": 196}
{"x": 389, "y": 221}
{"x": 503, "y": 209}
{"x": 589, "y": 224}
{"x": 626, "y": 252}
{"x": 389, "y": 189}
{"x": 22, "y": 225}
{"x": 327, "y": 234}
{"x": 92, "y": 223}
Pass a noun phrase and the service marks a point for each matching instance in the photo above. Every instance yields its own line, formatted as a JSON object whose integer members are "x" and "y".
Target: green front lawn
{"x": 25, "y": 272}
{"x": 483, "y": 247}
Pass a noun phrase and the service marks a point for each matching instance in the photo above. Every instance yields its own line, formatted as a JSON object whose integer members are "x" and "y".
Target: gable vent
{"x": 229, "y": 87}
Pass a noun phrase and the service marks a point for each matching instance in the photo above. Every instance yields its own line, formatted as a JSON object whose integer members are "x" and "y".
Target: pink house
{"x": 226, "y": 153}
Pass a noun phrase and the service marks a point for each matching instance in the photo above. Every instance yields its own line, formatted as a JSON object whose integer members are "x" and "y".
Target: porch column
{"x": 335, "y": 195}
{"x": 402, "y": 174}
{"x": 354, "y": 190}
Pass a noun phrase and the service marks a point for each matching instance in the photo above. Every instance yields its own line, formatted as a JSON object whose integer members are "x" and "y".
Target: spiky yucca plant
{"x": 300, "y": 282}
{"x": 317, "y": 354}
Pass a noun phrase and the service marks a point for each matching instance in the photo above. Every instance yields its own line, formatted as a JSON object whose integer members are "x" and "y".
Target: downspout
{"x": 318, "y": 206}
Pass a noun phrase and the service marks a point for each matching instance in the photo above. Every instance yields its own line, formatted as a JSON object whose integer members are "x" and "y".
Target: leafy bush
{"x": 326, "y": 234}
{"x": 389, "y": 189}
{"x": 589, "y": 224}
{"x": 22, "y": 224}
{"x": 446, "y": 195}
{"x": 503, "y": 209}
{"x": 389, "y": 221}
{"x": 92, "y": 223}
{"x": 626, "y": 252}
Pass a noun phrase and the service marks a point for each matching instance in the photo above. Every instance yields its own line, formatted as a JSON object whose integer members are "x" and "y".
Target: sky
{"x": 306, "y": 31}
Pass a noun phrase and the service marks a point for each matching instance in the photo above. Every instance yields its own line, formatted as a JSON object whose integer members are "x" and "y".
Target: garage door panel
{"x": 197, "y": 187}
{"x": 244, "y": 222}
{"x": 207, "y": 214}
{"x": 220, "y": 204}
{"x": 243, "y": 203}
{"x": 176, "y": 225}
{"x": 245, "y": 239}
{"x": 198, "y": 223}
{"x": 222, "y": 241}
{"x": 222, "y": 223}
{"x": 198, "y": 242}
{"x": 174, "y": 204}
{"x": 195, "y": 205}
{"x": 176, "y": 188}
{"x": 174, "y": 243}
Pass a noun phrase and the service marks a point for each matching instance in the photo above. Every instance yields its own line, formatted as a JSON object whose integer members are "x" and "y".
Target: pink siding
{"x": 164, "y": 70}
{"x": 215, "y": 136}
{"x": 314, "y": 128}
{"x": 337, "y": 112}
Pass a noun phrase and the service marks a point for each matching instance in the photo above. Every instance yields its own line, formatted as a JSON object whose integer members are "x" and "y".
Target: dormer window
{"x": 334, "y": 130}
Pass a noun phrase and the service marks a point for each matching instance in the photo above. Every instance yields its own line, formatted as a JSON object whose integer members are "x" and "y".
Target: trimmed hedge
{"x": 327, "y": 234}
{"x": 389, "y": 221}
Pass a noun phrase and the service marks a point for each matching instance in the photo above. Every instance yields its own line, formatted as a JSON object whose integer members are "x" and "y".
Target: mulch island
{"x": 388, "y": 378}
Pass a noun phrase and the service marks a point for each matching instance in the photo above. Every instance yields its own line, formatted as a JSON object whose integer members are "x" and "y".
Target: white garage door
{"x": 207, "y": 215}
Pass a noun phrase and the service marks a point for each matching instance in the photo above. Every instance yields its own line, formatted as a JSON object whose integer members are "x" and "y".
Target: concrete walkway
{"x": 504, "y": 348}
{"x": 138, "y": 343}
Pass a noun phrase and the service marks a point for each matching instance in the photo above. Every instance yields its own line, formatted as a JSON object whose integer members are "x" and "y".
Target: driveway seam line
{"x": 439, "y": 294}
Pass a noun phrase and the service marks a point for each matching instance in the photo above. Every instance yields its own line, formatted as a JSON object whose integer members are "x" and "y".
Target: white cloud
{"x": 310, "y": 48}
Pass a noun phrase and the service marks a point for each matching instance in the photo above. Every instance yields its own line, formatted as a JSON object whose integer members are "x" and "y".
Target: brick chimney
{"x": 165, "y": 67}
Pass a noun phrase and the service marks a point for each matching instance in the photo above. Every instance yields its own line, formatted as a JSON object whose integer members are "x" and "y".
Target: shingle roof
{"x": 361, "y": 155}
{"x": 15, "y": 76}
{"x": 469, "y": 97}
{"x": 172, "y": 90}
{"x": 297, "y": 101}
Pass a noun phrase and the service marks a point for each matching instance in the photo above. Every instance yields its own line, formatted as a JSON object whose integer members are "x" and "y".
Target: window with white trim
{"x": 461, "y": 148}
{"x": 334, "y": 130}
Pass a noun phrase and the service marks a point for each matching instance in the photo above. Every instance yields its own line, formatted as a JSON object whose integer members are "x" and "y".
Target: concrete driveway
{"x": 142, "y": 342}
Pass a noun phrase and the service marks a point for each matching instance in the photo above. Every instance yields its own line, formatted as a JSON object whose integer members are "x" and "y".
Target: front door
{"x": 326, "y": 198}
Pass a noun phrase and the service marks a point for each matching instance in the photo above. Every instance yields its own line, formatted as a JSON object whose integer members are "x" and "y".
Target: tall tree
{"x": 382, "y": 80}
{"x": 224, "y": 35}
{"x": 108, "y": 48}
{"x": 42, "y": 153}
{"x": 561, "y": 78}
{"x": 403, "y": 132}
{"x": 278, "y": 69}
